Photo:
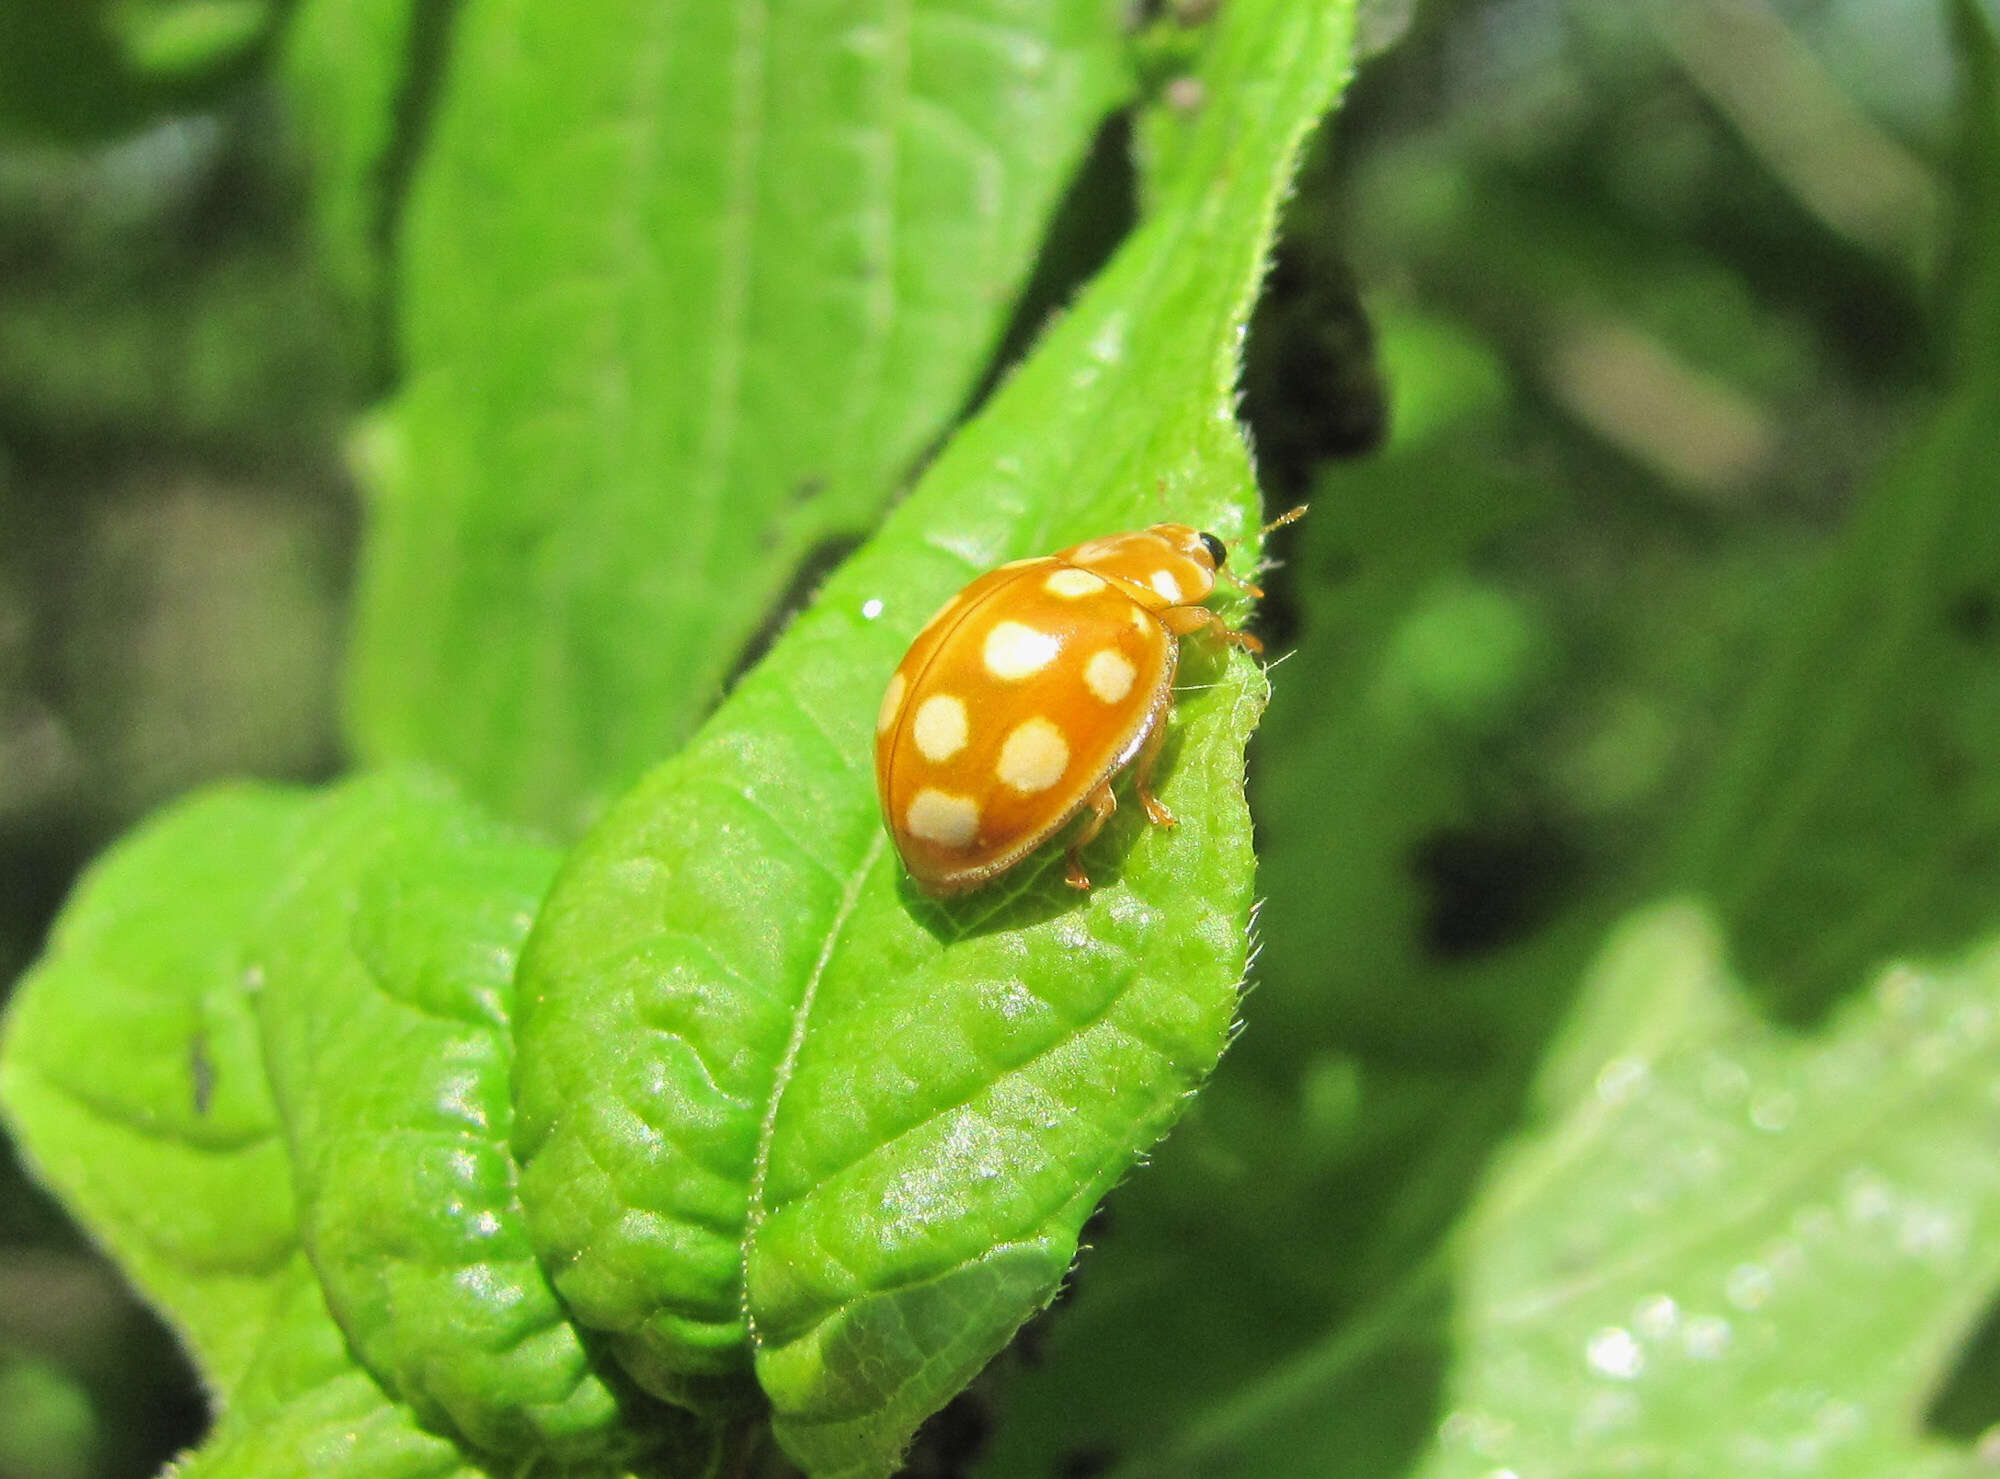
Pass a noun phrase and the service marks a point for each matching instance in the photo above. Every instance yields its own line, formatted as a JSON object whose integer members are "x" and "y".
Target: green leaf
{"x": 345, "y": 66}
{"x": 776, "y": 1108}
{"x": 132, "y": 1076}
{"x": 1731, "y": 1243}
{"x": 172, "y": 38}
{"x": 388, "y": 960}
{"x": 1724, "y": 1249}
{"x": 689, "y": 288}
{"x": 1857, "y": 811}
{"x": 1375, "y": 1068}
{"x": 304, "y": 1407}
{"x": 372, "y": 934}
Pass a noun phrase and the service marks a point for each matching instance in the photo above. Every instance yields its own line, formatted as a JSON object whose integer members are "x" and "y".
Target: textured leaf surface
{"x": 1723, "y": 1250}
{"x": 771, "y": 1099}
{"x": 1734, "y": 1251}
{"x": 690, "y": 285}
{"x": 371, "y": 935}
{"x": 132, "y": 1074}
{"x": 389, "y": 953}
{"x": 304, "y": 1407}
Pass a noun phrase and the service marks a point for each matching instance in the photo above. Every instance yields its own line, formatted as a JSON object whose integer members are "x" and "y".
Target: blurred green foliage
{"x": 1640, "y": 365}
{"x": 746, "y": 266}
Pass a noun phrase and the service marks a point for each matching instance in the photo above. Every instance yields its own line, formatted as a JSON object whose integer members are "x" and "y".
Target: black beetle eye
{"x": 1217, "y": 551}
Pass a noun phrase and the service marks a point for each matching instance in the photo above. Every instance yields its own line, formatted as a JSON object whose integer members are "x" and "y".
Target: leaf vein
{"x": 841, "y": 751}
{"x": 801, "y": 1017}
{"x": 1098, "y": 1016}
{"x": 745, "y": 801}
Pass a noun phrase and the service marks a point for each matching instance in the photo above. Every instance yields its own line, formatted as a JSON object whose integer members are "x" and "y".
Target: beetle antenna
{"x": 1291, "y": 517}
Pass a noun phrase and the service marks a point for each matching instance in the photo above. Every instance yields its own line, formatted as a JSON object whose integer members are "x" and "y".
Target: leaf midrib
{"x": 1775, "y": 1190}
{"x": 781, "y": 1078}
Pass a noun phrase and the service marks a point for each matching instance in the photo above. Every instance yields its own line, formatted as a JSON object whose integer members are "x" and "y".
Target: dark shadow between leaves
{"x": 1966, "y": 1406}
{"x": 806, "y": 578}
{"x": 1095, "y": 214}
{"x": 433, "y": 23}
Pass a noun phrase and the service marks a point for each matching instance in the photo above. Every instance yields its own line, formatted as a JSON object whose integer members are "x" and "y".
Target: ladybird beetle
{"x": 1030, "y": 691}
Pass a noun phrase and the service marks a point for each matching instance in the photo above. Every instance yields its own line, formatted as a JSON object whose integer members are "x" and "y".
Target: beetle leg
{"x": 1183, "y": 621}
{"x": 1249, "y": 588}
{"x": 1142, "y": 777}
{"x": 1102, "y": 804}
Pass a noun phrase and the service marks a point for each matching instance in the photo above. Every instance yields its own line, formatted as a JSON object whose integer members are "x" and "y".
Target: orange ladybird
{"x": 1027, "y": 694}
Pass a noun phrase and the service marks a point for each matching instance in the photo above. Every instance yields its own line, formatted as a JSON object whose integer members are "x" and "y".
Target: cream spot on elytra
{"x": 1109, "y": 675}
{"x": 1071, "y": 583}
{"x": 939, "y": 727}
{"x": 1015, "y": 651}
{"x": 892, "y": 701}
{"x": 942, "y": 818}
{"x": 1034, "y": 756}
{"x": 1166, "y": 585}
